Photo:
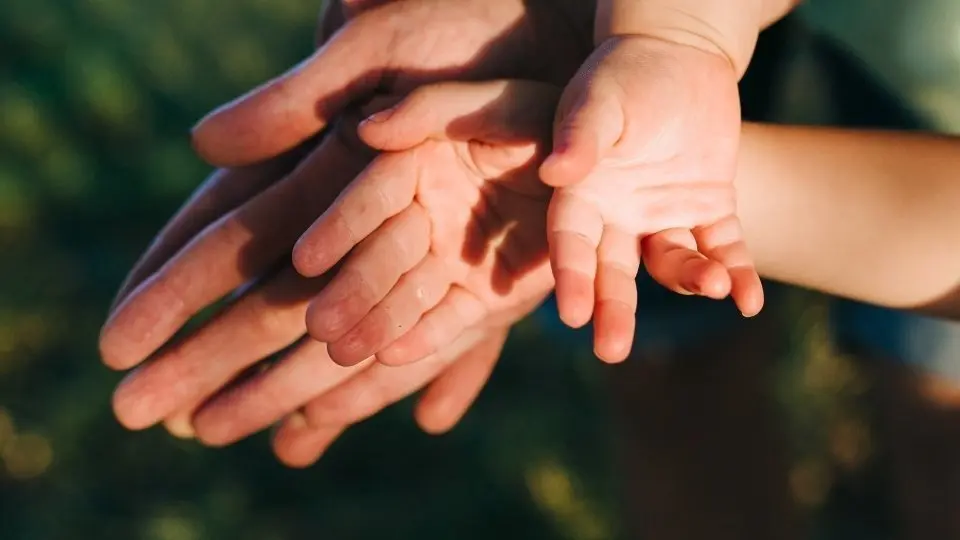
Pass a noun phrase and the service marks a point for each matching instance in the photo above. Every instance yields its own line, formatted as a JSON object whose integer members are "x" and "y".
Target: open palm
{"x": 646, "y": 141}
{"x": 442, "y": 231}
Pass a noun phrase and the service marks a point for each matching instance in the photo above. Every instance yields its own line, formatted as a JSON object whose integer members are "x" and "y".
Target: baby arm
{"x": 871, "y": 216}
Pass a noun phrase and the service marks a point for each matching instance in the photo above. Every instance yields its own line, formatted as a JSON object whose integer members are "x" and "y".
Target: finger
{"x": 369, "y": 274}
{"x": 414, "y": 294}
{"x": 723, "y": 242}
{"x": 616, "y": 309}
{"x": 302, "y": 438}
{"x": 298, "y": 445}
{"x": 672, "y": 260}
{"x": 437, "y": 329}
{"x": 497, "y": 110}
{"x": 447, "y": 399}
{"x": 583, "y": 132}
{"x": 223, "y": 191}
{"x": 370, "y": 391}
{"x": 180, "y": 422}
{"x": 575, "y": 227}
{"x": 289, "y": 109}
{"x": 258, "y": 402}
{"x": 266, "y": 320}
{"x": 384, "y": 189}
{"x": 241, "y": 245}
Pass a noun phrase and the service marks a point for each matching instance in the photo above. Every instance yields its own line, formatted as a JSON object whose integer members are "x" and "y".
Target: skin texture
{"x": 233, "y": 237}
{"x": 646, "y": 139}
{"x": 457, "y": 208}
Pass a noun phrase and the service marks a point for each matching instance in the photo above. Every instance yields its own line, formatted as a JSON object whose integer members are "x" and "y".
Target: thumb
{"x": 494, "y": 111}
{"x": 582, "y": 135}
{"x": 288, "y": 110}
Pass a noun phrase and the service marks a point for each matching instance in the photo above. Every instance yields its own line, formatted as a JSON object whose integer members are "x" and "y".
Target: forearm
{"x": 871, "y": 216}
{"x": 725, "y": 27}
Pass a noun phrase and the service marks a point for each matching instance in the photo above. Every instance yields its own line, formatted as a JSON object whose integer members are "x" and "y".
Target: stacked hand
{"x": 234, "y": 237}
{"x": 423, "y": 256}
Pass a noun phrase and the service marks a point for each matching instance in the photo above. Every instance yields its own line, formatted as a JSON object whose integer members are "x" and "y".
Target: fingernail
{"x": 380, "y": 117}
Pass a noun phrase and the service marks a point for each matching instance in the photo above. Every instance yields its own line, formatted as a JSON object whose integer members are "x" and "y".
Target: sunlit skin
{"x": 646, "y": 140}
{"x": 447, "y": 228}
{"x": 245, "y": 220}
{"x": 444, "y": 230}
{"x": 394, "y": 48}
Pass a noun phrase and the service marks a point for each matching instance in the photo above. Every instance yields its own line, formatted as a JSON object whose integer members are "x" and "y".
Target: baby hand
{"x": 443, "y": 231}
{"x": 645, "y": 140}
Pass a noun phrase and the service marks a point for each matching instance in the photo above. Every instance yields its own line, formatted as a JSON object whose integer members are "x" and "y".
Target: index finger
{"x": 286, "y": 111}
{"x": 224, "y": 190}
{"x": 384, "y": 189}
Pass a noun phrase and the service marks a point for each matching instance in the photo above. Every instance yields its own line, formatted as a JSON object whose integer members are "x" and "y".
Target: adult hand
{"x": 396, "y": 47}
{"x": 250, "y": 238}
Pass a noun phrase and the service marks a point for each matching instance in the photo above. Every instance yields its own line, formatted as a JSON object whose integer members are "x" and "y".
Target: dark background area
{"x": 96, "y": 98}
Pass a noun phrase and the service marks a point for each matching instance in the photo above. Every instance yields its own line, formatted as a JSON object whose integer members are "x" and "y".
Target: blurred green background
{"x": 96, "y": 97}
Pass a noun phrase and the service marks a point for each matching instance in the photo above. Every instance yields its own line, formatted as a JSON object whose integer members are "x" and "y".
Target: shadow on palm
{"x": 230, "y": 244}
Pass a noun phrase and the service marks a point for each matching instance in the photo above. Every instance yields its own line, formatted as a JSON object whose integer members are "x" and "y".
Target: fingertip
{"x": 298, "y": 445}
{"x": 306, "y": 260}
{"x": 611, "y": 351}
{"x": 215, "y": 429}
{"x": 108, "y": 352}
{"x": 747, "y": 291}
{"x": 613, "y": 331}
{"x": 131, "y": 412}
{"x": 348, "y": 351}
{"x": 213, "y": 439}
{"x": 560, "y": 171}
{"x": 435, "y": 418}
{"x": 325, "y": 323}
{"x": 715, "y": 283}
{"x": 371, "y": 127}
{"x": 752, "y": 306}
{"x": 575, "y": 317}
{"x": 215, "y": 142}
{"x": 200, "y": 135}
{"x": 210, "y": 432}
{"x": 113, "y": 343}
{"x": 575, "y": 298}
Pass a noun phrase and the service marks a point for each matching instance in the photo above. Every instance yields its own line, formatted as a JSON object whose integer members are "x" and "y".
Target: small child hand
{"x": 443, "y": 231}
{"x": 645, "y": 140}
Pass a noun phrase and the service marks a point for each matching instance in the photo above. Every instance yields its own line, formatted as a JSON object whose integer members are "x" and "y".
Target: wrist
{"x": 709, "y": 25}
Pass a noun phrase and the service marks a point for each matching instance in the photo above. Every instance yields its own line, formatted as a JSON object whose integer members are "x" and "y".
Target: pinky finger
{"x": 447, "y": 399}
{"x": 672, "y": 260}
{"x": 723, "y": 242}
{"x": 298, "y": 444}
